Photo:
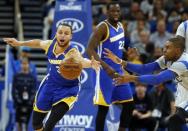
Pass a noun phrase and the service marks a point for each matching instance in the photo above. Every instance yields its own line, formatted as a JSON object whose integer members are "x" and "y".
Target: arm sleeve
{"x": 143, "y": 69}
{"x": 157, "y": 79}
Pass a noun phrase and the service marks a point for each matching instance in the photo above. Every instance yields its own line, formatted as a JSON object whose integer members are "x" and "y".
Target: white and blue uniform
{"x": 180, "y": 67}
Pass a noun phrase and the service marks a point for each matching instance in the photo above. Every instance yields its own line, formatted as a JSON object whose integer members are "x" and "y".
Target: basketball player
{"x": 110, "y": 34}
{"x": 174, "y": 63}
{"x": 182, "y": 31}
{"x": 55, "y": 94}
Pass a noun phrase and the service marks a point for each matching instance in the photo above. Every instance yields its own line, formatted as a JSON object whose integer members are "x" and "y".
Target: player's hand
{"x": 12, "y": 42}
{"x": 110, "y": 55}
{"x": 95, "y": 64}
{"x": 123, "y": 79}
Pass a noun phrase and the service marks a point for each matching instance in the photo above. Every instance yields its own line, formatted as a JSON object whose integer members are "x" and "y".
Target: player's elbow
{"x": 158, "y": 79}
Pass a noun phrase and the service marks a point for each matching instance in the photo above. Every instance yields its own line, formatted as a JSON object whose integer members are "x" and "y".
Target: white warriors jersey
{"x": 180, "y": 67}
{"x": 183, "y": 31}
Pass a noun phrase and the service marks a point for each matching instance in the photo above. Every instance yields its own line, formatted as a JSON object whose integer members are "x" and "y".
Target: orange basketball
{"x": 70, "y": 69}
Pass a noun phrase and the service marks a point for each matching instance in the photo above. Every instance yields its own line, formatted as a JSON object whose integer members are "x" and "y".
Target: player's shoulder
{"x": 180, "y": 65}
{"x": 102, "y": 25}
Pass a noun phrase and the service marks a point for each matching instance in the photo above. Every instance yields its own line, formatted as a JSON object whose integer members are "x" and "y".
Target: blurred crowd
{"x": 148, "y": 24}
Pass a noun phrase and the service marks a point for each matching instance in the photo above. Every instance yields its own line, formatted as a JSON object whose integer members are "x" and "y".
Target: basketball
{"x": 70, "y": 68}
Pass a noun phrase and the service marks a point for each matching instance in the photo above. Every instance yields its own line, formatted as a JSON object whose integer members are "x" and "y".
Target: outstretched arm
{"x": 142, "y": 69}
{"x": 136, "y": 68}
{"x": 35, "y": 43}
{"x": 147, "y": 79}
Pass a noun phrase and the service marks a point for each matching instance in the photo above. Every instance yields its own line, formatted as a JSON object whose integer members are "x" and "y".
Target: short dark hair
{"x": 111, "y": 3}
{"x": 65, "y": 24}
{"x": 178, "y": 42}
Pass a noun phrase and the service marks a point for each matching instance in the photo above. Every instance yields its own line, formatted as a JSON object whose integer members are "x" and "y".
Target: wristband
{"x": 120, "y": 62}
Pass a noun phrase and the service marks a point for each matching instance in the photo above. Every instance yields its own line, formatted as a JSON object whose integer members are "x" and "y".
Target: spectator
{"x": 172, "y": 19}
{"x": 146, "y": 6}
{"x": 158, "y": 52}
{"x": 102, "y": 14}
{"x": 158, "y": 9}
{"x": 164, "y": 104}
{"x": 144, "y": 40}
{"x": 178, "y": 6}
{"x": 175, "y": 27}
{"x": 134, "y": 9}
{"x": 184, "y": 15}
{"x": 133, "y": 57}
{"x": 150, "y": 48}
{"x": 141, "y": 25}
{"x": 24, "y": 54}
{"x": 141, "y": 116}
{"x": 133, "y": 24}
{"x": 23, "y": 93}
{"x": 161, "y": 35}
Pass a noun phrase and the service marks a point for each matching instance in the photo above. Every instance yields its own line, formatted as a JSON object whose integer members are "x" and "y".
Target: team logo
{"x": 81, "y": 48}
{"x": 77, "y": 25}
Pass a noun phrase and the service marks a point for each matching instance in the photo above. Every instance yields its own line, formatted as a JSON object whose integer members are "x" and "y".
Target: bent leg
{"x": 57, "y": 112}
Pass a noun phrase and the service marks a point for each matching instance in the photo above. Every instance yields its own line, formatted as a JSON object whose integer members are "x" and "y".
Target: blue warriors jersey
{"x": 106, "y": 92}
{"x": 54, "y": 61}
{"x": 54, "y": 88}
{"x": 114, "y": 41}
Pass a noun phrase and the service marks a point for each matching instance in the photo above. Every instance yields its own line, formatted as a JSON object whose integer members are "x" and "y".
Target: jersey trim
{"x": 49, "y": 43}
{"x": 68, "y": 100}
{"x": 38, "y": 110}
{"x": 54, "y": 48}
{"x": 107, "y": 35}
{"x": 123, "y": 101}
{"x": 185, "y": 27}
{"x": 117, "y": 37}
{"x": 99, "y": 99}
